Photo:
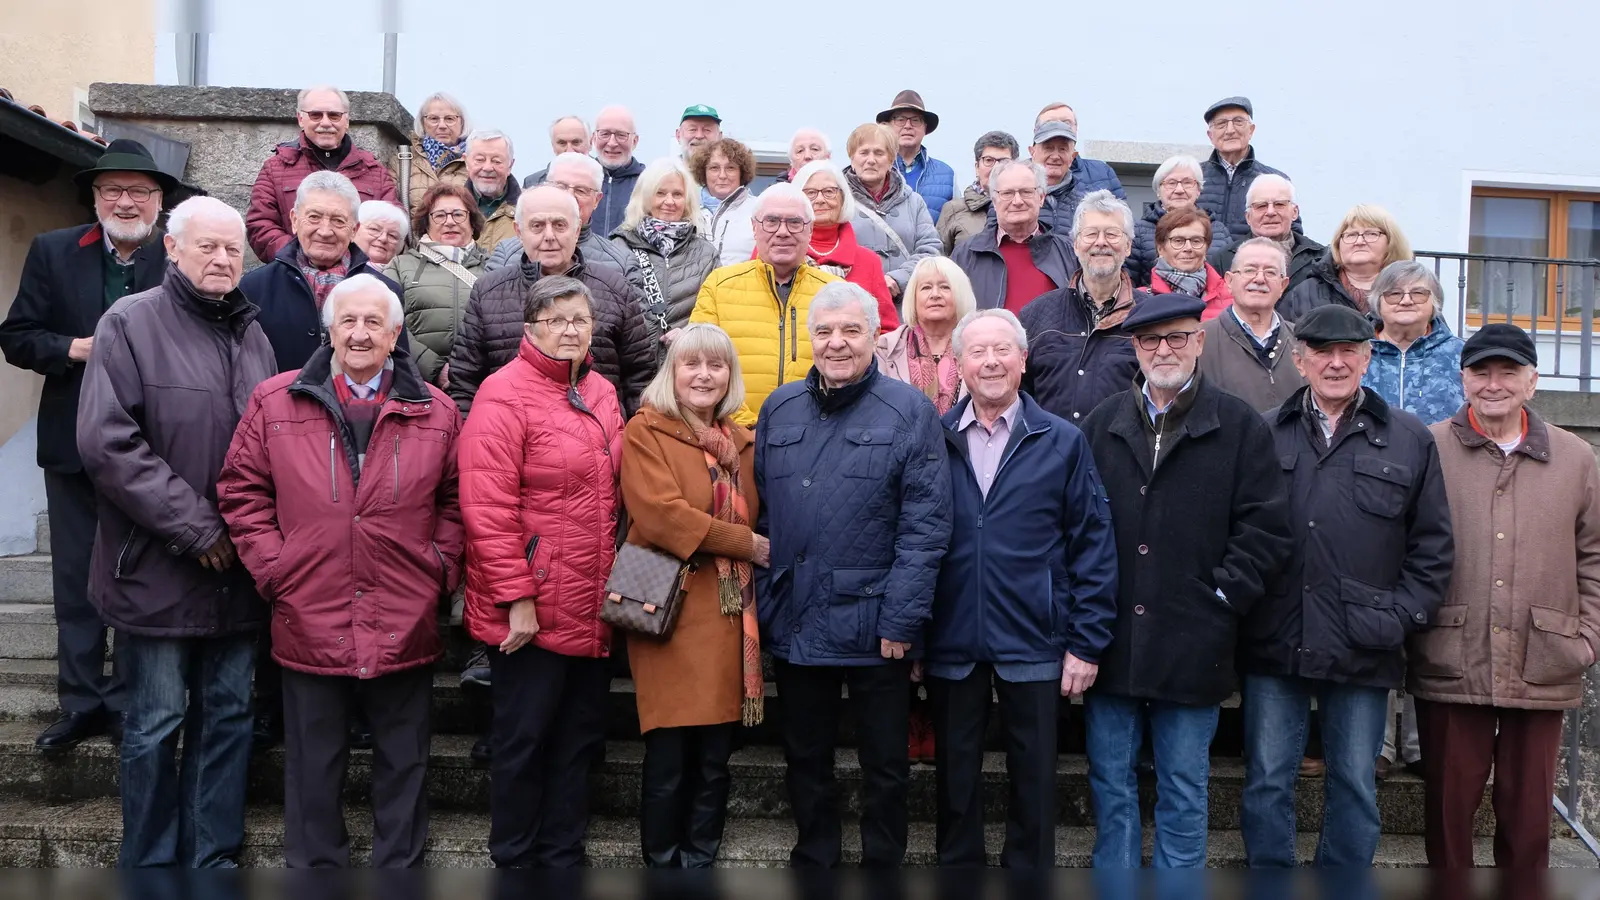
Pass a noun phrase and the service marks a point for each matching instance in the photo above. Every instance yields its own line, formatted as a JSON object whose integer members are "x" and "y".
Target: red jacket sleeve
{"x": 868, "y": 273}
{"x": 499, "y": 572}
{"x": 449, "y": 535}
{"x": 267, "y": 223}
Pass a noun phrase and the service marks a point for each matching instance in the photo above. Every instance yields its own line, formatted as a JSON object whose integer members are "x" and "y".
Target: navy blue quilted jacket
{"x": 936, "y": 181}
{"x": 1224, "y": 198}
{"x": 1097, "y": 175}
{"x": 855, "y": 497}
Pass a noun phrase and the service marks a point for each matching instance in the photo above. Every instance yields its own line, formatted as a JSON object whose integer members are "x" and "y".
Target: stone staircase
{"x": 64, "y": 812}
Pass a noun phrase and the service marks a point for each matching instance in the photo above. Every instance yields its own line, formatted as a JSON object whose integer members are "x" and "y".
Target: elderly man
{"x": 69, "y": 279}
{"x": 1271, "y": 211}
{"x": 568, "y": 134}
{"x": 490, "y": 157}
{"x": 1248, "y": 345}
{"x": 1014, "y": 260}
{"x": 1055, "y": 147}
{"x": 967, "y": 214}
{"x": 614, "y": 142}
{"x": 1023, "y": 605}
{"x": 699, "y": 124}
{"x": 1525, "y": 512}
{"x": 762, "y": 303}
{"x": 583, "y": 178}
{"x": 1080, "y": 354}
{"x": 354, "y": 583}
{"x": 1092, "y": 174}
{"x": 1232, "y": 165}
{"x": 171, "y": 370}
{"x": 806, "y": 145}
{"x": 1371, "y": 530}
{"x": 1198, "y": 503}
{"x": 910, "y": 121}
{"x": 323, "y": 146}
{"x": 847, "y": 606}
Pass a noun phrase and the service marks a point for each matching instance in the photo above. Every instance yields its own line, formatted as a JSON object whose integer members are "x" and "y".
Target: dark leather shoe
{"x": 267, "y": 733}
{"x": 114, "y": 727}
{"x": 481, "y": 752}
{"x": 71, "y": 729}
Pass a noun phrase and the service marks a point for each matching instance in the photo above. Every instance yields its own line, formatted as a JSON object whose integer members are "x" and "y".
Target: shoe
{"x": 1415, "y": 768}
{"x": 482, "y": 751}
{"x": 114, "y": 728}
{"x": 477, "y": 671}
{"x": 1312, "y": 768}
{"x": 1381, "y": 769}
{"x": 69, "y": 730}
{"x": 268, "y": 732}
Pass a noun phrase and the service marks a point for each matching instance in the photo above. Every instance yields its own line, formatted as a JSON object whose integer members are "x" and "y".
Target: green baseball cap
{"x": 701, "y": 111}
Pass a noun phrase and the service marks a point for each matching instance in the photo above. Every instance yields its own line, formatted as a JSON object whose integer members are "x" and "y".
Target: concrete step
{"x": 42, "y": 534}
{"x": 26, "y": 579}
{"x": 86, "y": 834}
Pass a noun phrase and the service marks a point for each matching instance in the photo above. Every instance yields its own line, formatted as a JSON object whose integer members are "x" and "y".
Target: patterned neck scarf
{"x": 1191, "y": 283}
{"x": 440, "y": 155}
{"x": 738, "y": 598}
{"x": 452, "y": 253}
{"x": 935, "y": 376}
{"x": 1357, "y": 294}
{"x": 322, "y": 280}
{"x": 664, "y": 236}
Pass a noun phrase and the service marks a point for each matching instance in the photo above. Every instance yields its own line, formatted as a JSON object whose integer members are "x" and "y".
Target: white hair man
{"x": 583, "y": 178}
{"x": 1271, "y": 211}
{"x": 568, "y": 134}
{"x": 1015, "y": 260}
{"x": 1230, "y": 125}
{"x": 163, "y": 571}
{"x": 615, "y": 138}
{"x": 324, "y": 145}
{"x": 490, "y": 156}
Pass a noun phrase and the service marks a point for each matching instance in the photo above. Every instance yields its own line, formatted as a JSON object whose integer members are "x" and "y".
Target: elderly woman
{"x": 806, "y": 145}
{"x": 436, "y": 276}
{"x": 1177, "y": 184}
{"x": 918, "y": 352}
{"x": 688, "y": 479}
{"x": 658, "y": 229}
{"x": 833, "y": 246}
{"x": 891, "y": 219}
{"x": 439, "y": 149}
{"x": 381, "y": 231}
{"x": 1183, "y": 236}
{"x": 539, "y": 461}
{"x": 1367, "y": 240}
{"x": 725, "y": 168}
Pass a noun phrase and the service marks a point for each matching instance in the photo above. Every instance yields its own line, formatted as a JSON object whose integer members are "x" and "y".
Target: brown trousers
{"x": 1460, "y": 744}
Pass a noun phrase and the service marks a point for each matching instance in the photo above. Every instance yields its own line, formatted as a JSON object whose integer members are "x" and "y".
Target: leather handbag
{"x": 645, "y": 591}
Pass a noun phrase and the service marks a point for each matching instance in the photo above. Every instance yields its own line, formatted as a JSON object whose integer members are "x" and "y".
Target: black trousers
{"x": 82, "y": 685}
{"x": 684, "y": 796}
{"x": 317, "y": 709}
{"x": 549, "y": 727}
{"x": 1028, "y": 712}
{"x": 881, "y": 698}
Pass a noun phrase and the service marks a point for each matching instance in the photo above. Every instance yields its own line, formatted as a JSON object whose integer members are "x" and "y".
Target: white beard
{"x": 136, "y": 233}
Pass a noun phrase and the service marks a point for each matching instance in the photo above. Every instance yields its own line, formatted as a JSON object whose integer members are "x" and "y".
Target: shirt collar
{"x": 1003, "y": 237}
{"x": 111, "y": 249}
{"x": 970, "y": 416}
{"x": 1150, "y": 403}
{"x": 374, "y": 382}
{"x": 1276, "y": 321}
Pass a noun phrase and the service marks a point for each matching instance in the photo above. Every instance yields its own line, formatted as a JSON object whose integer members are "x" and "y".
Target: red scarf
{"x": 833, "y": 245}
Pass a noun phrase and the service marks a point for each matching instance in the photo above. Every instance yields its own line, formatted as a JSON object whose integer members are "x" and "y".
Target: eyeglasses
{"x": 441, "y": 120}
{"x": 989, "y": 162}
{"x": 1009, "y": 195}
{"x": 448, "y": 215}
{"x": 558, "y": 325}
{"x": 794, "y": 224}
{"x": 113, "y": 192}
{"x": 1178, "y": 242}
{"x": 1414, "y": 295}
{"x": 1177, "y": 340}
{"x": 611, "y": 134}
{"x": 1369, "y": 236}
{"x": 1238, "y": 122}
{"x": 1253, "y": 272}
{"x": 1111, "y": 235}
{"x": 317, "y": 115}
{"x": 576, "y": 190}
{"x": 1187, "y": 184}
{"x": 823, "y": 193}
{"x": 905, "y": 119}
{"x": 1274, "y": 205}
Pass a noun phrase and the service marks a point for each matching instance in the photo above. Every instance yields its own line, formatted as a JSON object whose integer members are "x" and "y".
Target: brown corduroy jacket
{"x": 1522, "y": 618}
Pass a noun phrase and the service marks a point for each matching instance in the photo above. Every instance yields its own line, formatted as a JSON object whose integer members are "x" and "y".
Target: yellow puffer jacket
{"x": 770, "y": 336}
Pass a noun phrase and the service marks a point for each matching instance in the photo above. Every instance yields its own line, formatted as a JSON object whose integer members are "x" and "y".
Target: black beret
{"x": 1153, "y": 309}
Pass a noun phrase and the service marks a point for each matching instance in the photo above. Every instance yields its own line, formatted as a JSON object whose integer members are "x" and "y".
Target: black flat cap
{"x": 1228, "y": 103}
{"x": 1154, "y": 309}
{"x": 1502, "y": 340}
{"x": 1333, "y": 324}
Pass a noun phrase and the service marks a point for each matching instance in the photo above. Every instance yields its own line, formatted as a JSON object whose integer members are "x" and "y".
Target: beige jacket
{"x": 423, "y": 175}
{"x": 1523, "y": 614}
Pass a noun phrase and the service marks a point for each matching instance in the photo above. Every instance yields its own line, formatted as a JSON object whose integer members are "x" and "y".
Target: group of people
{"x": 1027, "y": 449}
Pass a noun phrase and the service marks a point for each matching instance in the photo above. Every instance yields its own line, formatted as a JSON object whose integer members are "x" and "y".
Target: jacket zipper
{"x": 396, "y": 468}
{"x": 1155, "y": 457}
{"x": 333, "y": 459}
{"x": 794, "y": 334}
{"x": 1402, "y": 379}
{"x": 122, "y": 555}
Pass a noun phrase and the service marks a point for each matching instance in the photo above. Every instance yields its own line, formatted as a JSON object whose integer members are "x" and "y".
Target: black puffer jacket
{"x": 491, "y": 330}
{"x": 1224, "y": 197}
{"x": 1320, "y": 288}
{"x": 680, "y": 277}
{"x": 1142, "y": 260}
{"x": 1074, "y": 364}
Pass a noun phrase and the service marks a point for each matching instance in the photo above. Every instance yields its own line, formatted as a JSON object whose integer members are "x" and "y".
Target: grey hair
{"x": 1267, "y": 243}
{"x": 839, "y": 295}
{"x": 546, "y": 291}
{"x": 1271, "y": 179}
{"x": 178, "y": 219}
{"x": 1397, "y": 275}
{"x": 333, "y": 183}
{"x": 356, "y": 284}
{"x": 1174, "y": 162}
{"x": 784, "y": 190}
{"x": 996, "y": 139}
{"x": 384, "y": 211}
{"x": 1040, "y": 176}
{"x": 300, "y": 98}
{"x": 579, "y": 119}
{"x": 847, "y": 200}
{"x": 489, "y": 134}
{"x": 1102, "y": 201}
{"x": 447, "y": 100}
{"x": 826, "y": 143}
{"x": 577, "y": 214}
{"x": 589, "y": 164}
{"x": 1004, "y": 315}
{"x": 701, "y": 339}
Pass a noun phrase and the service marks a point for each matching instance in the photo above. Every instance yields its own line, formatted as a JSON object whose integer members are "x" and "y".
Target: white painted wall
{"x": 21, "y": 491}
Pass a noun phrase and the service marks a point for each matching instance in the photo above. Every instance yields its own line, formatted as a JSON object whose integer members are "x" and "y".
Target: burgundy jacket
{"x": 268, "y": 225}
{"x": 353, "y": 568}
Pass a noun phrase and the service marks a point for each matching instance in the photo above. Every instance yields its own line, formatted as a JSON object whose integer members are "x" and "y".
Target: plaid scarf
{"x": 734, "y": 589}
{"x": 441, "y": 155}
{"x": 935, "y": 377}
{"x": 1191, "y": 283}
{"x": 664, "y": 236}
{"x": 322, "y": 280}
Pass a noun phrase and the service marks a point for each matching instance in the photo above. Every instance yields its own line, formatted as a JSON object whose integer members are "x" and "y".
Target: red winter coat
{"x": 859, "y": 266}
{"x": 540, "y": 459}
{"x": 1218, "y": 297}
{"x": 354, "y": 572}
{"x": 267, "y": 224}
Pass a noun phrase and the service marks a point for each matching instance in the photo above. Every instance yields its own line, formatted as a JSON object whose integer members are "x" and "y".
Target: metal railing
{"x": 1553, "y": 298}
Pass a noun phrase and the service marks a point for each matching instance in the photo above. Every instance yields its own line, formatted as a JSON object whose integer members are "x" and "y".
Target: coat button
{"x": 402, "y": 409}
{"x": 358, "y": 595}
{"x": 339, "y": 641}
{"x": 866, "y": 438}
{"x": 1080, "y": 371}
{"x": 1075, "y": 415}
{"x": 391, "y": 637}
{"x": 1500, "y": 535}
{"x": 806, "y": 483}
{"x": 1143, "y": 549}
{"x": 1311, "y": 524}
{"x": 797, "y": 629}
{"x": 823, "y": 416}
{"x": 1142, "y": 489}
{"x": 539, "y": 573}
{"x": 363, "y": 670}
{"x": 1538, "y": 623}
{"x": 1138, "y": 610}
{"x": 1499, "y": 582}
{"x": 1497, "y": 629}
{"x": 1497, "y": 679}
{"x": 799, "y": 558}
{"x": 358, "y": 520}
{"x": 1385, "y": 470}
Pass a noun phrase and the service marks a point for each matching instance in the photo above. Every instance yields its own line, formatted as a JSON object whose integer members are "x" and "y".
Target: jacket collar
{"x": 680, "y": 430}
{"x": 1249, "y": 159}
{"x": 1129, "y": 421}
{"x": 1031, "y": 419}
{"x": 1438, "y": 333}
{"x": 1535, "y": 444}
{"x": 627, "y": 170}
{"x": 531, "y": 271}
{"x": 233, "y": 310}
{"x": 406, "y": 386}
{"x": 149, "y": 262}
{"x": 830, "y": 400}
{"x": 291, "y": 251}
{"x": 560, "y": 371}
{"x": 508, "y": 200}
{"x": 974, "y": 199}
{"x": 1371, "y": 419}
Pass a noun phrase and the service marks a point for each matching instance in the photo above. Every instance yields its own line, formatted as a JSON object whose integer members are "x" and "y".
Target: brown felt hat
{"x": 909, "y": 100}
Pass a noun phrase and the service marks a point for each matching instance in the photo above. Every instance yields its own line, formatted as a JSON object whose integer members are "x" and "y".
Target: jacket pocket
{"x": 783, "y": 453}
{"x": 1380, "y": 486}
{"x": 1557, "y": 652}
{"x": 852, "y": 620}
{"x": 772, "y": 597}
{"x": 868, "y": 451}
{"x": 1370, "y": 620}
{"x": 128, "y": 554}
{"x": 1440, "y": 651}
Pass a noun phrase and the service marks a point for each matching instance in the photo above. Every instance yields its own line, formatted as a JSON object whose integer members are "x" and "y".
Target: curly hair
{"x": 419, "y": 219}
{"x": 737, "y": 153}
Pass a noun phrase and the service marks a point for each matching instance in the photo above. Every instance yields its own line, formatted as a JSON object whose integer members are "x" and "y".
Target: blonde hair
{"x": 960, "y": 285}
{"x": 645, "y": 191}
{"x": 697, "y": 339}
{"x": 868, "y": 133}
{"x": 1371, "y": 215}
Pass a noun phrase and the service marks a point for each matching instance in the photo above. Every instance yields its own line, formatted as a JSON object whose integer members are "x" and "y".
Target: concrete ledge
{"x": 238, "y": 104}
{"x": 1568, "y": 409}
{"x": 1142, "y": 152}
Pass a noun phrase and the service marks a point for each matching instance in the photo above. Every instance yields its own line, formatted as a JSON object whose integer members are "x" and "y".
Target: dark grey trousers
{"x": 81, "y": 682}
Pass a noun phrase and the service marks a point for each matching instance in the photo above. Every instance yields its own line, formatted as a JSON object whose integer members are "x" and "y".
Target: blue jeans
{"x": 1181, "y": 738}
{"x": 1275, "y": 714}
{"x": 193, "y": 818}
